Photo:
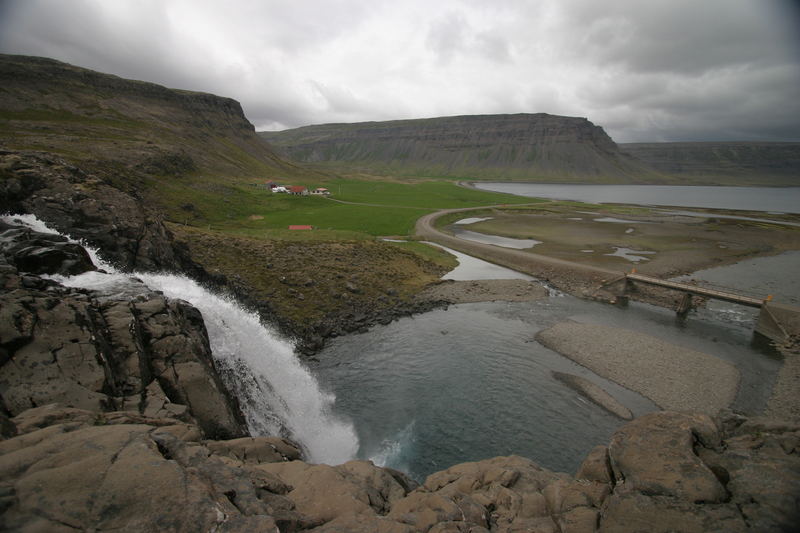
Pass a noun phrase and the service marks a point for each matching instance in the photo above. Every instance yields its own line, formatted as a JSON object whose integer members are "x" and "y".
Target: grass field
{"x": 255, "y": 212}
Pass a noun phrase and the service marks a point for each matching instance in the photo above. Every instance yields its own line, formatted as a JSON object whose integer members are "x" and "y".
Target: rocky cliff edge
{"x": 113, "y": 417}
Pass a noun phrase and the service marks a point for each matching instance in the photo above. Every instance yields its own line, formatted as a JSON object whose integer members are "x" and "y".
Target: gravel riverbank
{"x": 487, "y": 290}
{"x": 675, "y": 378}
{"x": 785, "y": 403}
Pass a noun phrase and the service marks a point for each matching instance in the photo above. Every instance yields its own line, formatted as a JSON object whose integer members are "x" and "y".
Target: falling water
{"x": 277, "y": 394}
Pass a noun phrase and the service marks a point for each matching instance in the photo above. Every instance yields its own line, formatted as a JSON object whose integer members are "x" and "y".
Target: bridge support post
{"x": 685, "y": 305}
{"x": 614, "y": 291}
{"x": 779, "y": 322}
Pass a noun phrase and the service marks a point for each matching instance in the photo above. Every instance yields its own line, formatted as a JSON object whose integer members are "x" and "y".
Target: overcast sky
{"x": 645, "y": 70}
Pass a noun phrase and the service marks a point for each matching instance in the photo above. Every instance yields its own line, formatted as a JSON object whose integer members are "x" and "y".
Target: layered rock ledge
{"x": 64, "y": 469}
{"x": 101, "y": 352}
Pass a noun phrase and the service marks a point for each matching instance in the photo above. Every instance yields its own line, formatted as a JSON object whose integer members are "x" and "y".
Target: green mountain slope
{"x": 98, "y": 119}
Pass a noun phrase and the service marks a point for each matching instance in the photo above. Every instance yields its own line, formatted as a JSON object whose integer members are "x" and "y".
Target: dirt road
{"x": 565, "y": 275}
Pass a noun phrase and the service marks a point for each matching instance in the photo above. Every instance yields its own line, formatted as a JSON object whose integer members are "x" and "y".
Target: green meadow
{"x": 377, "y": 207}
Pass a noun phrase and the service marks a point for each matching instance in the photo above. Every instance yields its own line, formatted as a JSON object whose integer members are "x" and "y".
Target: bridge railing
{"x": 722, "y": 288}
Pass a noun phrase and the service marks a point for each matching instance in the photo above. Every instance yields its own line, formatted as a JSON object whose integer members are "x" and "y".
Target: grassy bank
{"x": 309, "y": 284}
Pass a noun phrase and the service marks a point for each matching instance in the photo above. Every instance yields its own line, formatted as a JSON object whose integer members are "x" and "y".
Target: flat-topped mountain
{"x": 532, "y": 147}
{"x": 756, "y": 163}
{"x": 520, "y": 146}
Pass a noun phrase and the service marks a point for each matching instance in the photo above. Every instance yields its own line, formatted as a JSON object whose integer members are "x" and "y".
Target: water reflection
{"x": 470, "y": 268}
{"x": 496, "y": 240}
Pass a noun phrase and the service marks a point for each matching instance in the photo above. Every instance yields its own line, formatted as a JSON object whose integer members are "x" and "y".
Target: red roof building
{"x": 297, "y": 189}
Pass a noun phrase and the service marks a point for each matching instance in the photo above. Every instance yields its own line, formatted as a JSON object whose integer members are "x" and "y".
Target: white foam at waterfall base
{"x": 392, "y": 451}
{"x": 276, "y": 393}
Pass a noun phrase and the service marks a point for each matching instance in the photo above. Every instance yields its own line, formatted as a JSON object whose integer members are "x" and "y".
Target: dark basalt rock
{"x": 42, "y": 253}
{"x": 129, "y": 472}
{"x": 88, "y": 351}
{"x": 73, "y": 469}
{"x": 84, "y": 207}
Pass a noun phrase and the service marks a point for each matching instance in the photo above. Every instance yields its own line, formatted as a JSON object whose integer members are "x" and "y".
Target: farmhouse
{"x": 322, "y": 191}
{"x": 298, "y": 190}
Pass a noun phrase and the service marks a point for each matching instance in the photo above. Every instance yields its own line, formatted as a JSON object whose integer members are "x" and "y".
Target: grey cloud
{"x": 655, "y": 70}
{"x": 685, "y": 36}
{"x": 494, "y": 47}
{"x": 338, "y": 99}
{"x": 447, "y": 37}
{"x": 452, "y": 35}
{"x": 755, "y": 107}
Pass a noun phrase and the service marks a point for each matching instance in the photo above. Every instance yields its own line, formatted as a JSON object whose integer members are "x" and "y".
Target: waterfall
{"x": 277, "y": 394}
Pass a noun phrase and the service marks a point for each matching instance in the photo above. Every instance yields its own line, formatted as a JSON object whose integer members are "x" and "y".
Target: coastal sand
{"x": 675, "y": 378}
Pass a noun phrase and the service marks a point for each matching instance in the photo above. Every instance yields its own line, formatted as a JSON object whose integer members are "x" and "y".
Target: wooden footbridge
{"x": 688, "y": 288}
{"x": 779, "y": 322}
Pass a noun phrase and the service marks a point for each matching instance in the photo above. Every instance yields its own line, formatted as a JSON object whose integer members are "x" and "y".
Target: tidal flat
{"x": 668, "y": 244}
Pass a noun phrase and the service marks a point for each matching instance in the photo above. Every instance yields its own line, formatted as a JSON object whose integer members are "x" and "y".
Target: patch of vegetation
{"x": 312, "y": 281}
{"x": 62, "y": 115}
{"x": 431, "y": 253}
{"x": 450, "y": 218}
{"x": 429, "y": 194}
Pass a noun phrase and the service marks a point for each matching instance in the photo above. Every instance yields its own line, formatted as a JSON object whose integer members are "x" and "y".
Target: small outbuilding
{"x": 321, "y": 191}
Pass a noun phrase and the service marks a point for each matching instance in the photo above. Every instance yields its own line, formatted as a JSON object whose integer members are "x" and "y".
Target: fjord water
{"x": 769, "y": 199}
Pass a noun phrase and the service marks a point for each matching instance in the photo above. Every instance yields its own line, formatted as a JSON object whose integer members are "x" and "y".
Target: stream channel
{"x": 471, "y": 382}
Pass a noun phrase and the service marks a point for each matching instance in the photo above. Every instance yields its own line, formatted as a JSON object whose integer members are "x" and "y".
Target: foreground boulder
{"x": 125, "y": 472}
{"x": 69, "y": 468}
{"x": 42, "y": 253}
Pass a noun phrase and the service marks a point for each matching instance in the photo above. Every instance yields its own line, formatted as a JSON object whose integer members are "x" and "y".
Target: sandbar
{"x": 673, "y": 377}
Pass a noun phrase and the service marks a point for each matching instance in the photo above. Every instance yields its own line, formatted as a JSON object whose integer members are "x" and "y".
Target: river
{"x": 471, "y": 382}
